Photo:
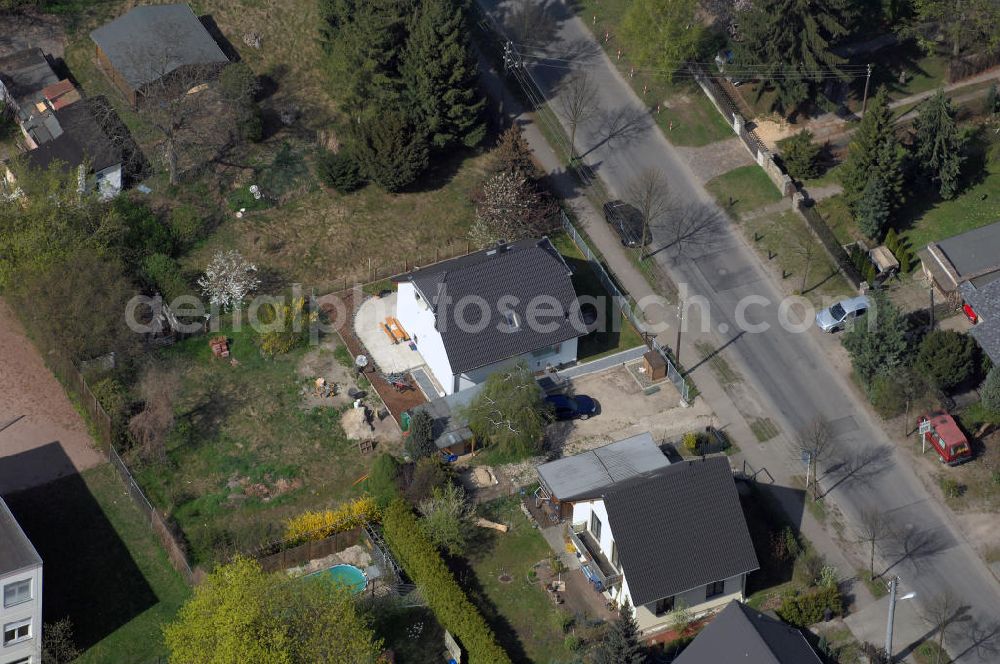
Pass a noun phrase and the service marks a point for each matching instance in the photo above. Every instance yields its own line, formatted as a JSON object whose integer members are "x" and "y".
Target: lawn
{"x": 686, "y": 116}
{"x": 245, "y": 452}
{"x": 525, "y": 620}
{"x": 922, "y": 72}
{"x": 618, "y": 332}
{"x": 104, "y": 567}
{"x": 743, "y": 190}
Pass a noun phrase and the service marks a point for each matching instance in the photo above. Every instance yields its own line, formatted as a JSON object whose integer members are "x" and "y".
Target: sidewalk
{"x": 728, "y": 416}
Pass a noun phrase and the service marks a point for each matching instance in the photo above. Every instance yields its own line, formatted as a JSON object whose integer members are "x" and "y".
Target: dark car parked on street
{"x": 627, "y": 222}
{"x": 571, "y": 407}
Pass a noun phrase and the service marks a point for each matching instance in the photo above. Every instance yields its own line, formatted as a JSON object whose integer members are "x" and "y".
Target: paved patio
{"x": 389, "y": 357}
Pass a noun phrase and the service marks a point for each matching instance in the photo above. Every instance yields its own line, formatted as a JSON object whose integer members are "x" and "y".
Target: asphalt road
{"x": 789, "y": 370}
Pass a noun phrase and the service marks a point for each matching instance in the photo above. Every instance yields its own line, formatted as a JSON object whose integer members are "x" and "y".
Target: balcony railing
{"x": 597, "y": 567}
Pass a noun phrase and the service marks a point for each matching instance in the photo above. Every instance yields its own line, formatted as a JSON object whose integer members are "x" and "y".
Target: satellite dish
{"x": 361, "y": 361}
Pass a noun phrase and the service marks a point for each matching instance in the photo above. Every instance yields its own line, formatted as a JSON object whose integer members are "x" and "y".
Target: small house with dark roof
{"x": 473, "y": 315}
{"x": 668, "y": 538}
{"x": 21, "y": 583}
{"x": 741, "y": 634}
{"x": 973, "y": 256}
{"x": 152, "y": 42}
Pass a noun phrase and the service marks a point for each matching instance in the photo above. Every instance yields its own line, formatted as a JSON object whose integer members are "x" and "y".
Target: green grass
{"x": 785, "y": 240}
{"x": 929, "y": 652}
{"x": 686, "y": 116}
{"x": 524, "y": 618}
{"x": 764, "y": 429}
{"x": 875, "y": 586}
{"x": 586, "y": 282}
{"x": 246, "y": 422}
{"x": 838, "y": 218}
{"x": 743, "y": 190}
{"x": 723, "y": 371}
{"x": 104, "y": 567}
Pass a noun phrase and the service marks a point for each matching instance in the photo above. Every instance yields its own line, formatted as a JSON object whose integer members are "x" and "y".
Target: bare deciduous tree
{"x": 816, "y": 441}
{"x": 159, "y": 389}
{"x": 873, "y": 527}
{"x": 691, "y": 225}
{"x": 650, "y": 195}
{"x": 578, "y": 102}
{"x": 942, "y": 612}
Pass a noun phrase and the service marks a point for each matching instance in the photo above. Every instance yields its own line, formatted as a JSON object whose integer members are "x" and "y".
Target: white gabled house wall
{"x": 415, "y": 315}
{"x": 646, "y": 617}
{"x": 417, "y": 318}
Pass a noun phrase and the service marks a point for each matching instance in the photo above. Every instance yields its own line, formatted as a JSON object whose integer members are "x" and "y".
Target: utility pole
{"x": 931, "y": 290}
{"x": 680, "y": 324}
{"x": 864, "y": 102}
{"x": 893, "y": 584}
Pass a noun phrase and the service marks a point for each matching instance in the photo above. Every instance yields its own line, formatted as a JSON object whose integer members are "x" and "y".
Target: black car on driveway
{"x": 627, "y": 222}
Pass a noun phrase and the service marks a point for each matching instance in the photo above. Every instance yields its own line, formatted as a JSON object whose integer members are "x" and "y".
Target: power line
{"x": 729, "y": 73}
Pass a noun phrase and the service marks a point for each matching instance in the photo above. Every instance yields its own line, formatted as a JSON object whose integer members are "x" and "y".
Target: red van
{"x": 942, "y": 433}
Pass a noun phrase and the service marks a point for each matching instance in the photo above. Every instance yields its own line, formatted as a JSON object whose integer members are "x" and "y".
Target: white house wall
{"x": 536, "y": 361}
{"x": 693, "y": 599}
{"x": 109, "y": 181}
{"x": 32, "y": 609}
{"x": 418, "y": 320}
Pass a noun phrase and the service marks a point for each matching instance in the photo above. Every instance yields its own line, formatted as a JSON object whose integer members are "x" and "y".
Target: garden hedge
{"x": 807, "y": 608}
{"x": 424, "y": 565}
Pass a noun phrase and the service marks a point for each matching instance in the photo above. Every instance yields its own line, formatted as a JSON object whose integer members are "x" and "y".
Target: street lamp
{"x": 893, "y": 583}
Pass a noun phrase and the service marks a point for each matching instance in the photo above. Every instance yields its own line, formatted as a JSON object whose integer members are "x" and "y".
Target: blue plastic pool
{"x": 349, "y": 575}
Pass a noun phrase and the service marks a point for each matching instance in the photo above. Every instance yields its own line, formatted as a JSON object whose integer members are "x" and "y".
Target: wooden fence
{"x": 303, "y": 553}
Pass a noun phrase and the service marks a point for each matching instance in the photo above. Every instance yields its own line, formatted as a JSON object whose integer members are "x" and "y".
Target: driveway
{"x": 724, "y": 283}
{"x": 42, "y": 437}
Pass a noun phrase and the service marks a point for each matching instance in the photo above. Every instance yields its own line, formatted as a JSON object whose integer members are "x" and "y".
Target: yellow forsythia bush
{"x": 320, "y": 525}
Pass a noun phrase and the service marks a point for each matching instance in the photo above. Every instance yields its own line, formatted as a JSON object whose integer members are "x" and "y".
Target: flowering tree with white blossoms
{"x": 229, "y": 279}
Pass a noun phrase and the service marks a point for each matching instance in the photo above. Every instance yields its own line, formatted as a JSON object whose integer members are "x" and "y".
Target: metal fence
{"x": 625, "y": 303}
{"x": 108, "y": 431}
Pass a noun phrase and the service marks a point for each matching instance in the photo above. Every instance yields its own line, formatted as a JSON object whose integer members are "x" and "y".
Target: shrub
{"x": 990, "y": 391}
{"x": 142, "y": 233}
{"x": 690, "y": 442}
{"x": 313, "y": 526}
{"x": 420, "y": 436}
{"x": 289, "y": 327}
{"x": 164, "y": 274}
{"x": 804, "y": 609}
{"x": 891, "y": 241}
{"x": 800, "y": 155}
{"x": 186, "y": 225}
{"x": 887, "y": 397}
{"x": 572, "y": 642}
{"x": 947, "y": 358}
{"x": 427, "y": 474}
{"x": 447, "y": 519}
{"x": 445, "y": 597}
{"x": 951, "y": 488}
{"x": 383, "y": 480}
{"x": 340, "y": 171}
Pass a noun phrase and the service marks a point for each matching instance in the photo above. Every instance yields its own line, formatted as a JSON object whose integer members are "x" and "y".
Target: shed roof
{"x": 508, "y": 278}
{"x": 985, "y": 300}
{"x": 151, "y": 41}
{"x": 589, "y": 473}
{"x": 25, "y": 73}
{"x": 679, "y": 528}
{"x": 16, "y": 550}
{"x": 80, "y": 139}
{"x": 741, "y": 634}
{"x": 965, "y": 256}
{"x": 450, "y": 427}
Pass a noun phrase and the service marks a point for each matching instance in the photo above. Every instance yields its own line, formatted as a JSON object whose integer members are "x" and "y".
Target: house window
{"x": 595, "y": 526}
{"x": 715, "y": 589}
{"x": 16, "y": 632}
{"x": 545, "y": 352}
{"x": 665, "y": 605}
{"x": 16, "y": 593}
{"x": 614, "y": 557}
{"x": 23, "y": 660}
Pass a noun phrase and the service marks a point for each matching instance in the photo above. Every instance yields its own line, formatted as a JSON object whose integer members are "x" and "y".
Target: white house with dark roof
{"x": 21, "y": 581}
{"x": 671, "y": 537}
{"x": 473, "y": 315}
{"x": 742, "y": 634}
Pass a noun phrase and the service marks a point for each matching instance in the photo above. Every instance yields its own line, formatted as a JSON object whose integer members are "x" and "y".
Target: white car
{"x": 835, "y": 317}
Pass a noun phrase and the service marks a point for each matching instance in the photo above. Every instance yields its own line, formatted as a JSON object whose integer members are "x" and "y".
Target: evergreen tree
{"x": 872, "y": 209}
{"x": 363, "y": 41}
{"x": 939, "y": 143}
{"x": 512, "y": 153}
{"x": 800, "y": 155}
{"x": 390, "y": 149}
{"x": 990, "y": 391}
{"x": 874, "y": 149}
{"x": 790, "y": 42}
{"x": 877, "y": 342}
{"x": 622, "y": 643}
{"x": 420, "y": 436}
{"x": 441, "y": 75}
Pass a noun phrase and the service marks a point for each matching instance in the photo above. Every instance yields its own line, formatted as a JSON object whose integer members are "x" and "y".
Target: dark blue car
{"x": 568, "y": 408}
